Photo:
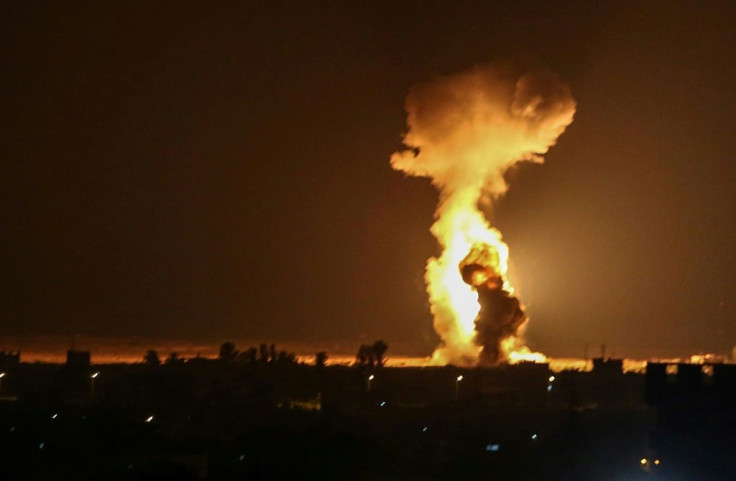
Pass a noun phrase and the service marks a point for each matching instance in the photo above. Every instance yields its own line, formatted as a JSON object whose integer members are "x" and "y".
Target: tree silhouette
{"x": 320, "y": 360}
{"x": 249, "y": 356}
{"x": 379, "y": 351}
{"x": 174, "y": 359}
{"x": 263, "y": 353}
{"x": 273, "y": 355}
{"x": 365, "y": 356}
{"x": 151, "y": 358}
{"x": 372, "y": 355}
{"x": 228, "y": 352}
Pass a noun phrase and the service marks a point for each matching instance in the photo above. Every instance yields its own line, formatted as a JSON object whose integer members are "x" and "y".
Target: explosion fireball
{"x": 465, "y": 132}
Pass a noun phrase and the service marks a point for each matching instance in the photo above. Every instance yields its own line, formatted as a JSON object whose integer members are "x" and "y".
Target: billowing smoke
{"x": 501, "y": 315}
{"x": 465, "y": 131}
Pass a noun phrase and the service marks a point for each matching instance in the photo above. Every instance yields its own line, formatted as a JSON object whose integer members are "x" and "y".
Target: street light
{"x": 92, "y": 378}
{"x": 457, "y": 387}
{"x": 370, "y": 378}
{"x": 549, "y": 385}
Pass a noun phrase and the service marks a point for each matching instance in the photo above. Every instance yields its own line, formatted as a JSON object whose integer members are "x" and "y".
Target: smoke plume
{"x": 465, "y": 131}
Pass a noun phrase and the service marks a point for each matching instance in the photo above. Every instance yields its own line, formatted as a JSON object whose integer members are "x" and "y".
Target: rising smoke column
{"x": 465, "y": 131}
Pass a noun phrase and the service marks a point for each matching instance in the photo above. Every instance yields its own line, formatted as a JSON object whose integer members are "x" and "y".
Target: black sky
{"x": 199, "y": 170}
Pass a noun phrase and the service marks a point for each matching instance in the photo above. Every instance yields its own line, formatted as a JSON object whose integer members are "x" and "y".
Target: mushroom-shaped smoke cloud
{"x": 465, "y": 131}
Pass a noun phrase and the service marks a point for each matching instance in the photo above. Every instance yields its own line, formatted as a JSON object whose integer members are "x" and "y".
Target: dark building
{"x": 608, "y": 367}
{"x": 9, "y": 360}
{"x": 695, "y": 417}
{"x": 724, "y": 381}
{"x": 77, "y": 359}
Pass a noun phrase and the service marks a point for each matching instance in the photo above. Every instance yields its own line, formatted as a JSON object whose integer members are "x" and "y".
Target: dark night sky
{"x": 206, "y": 171}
